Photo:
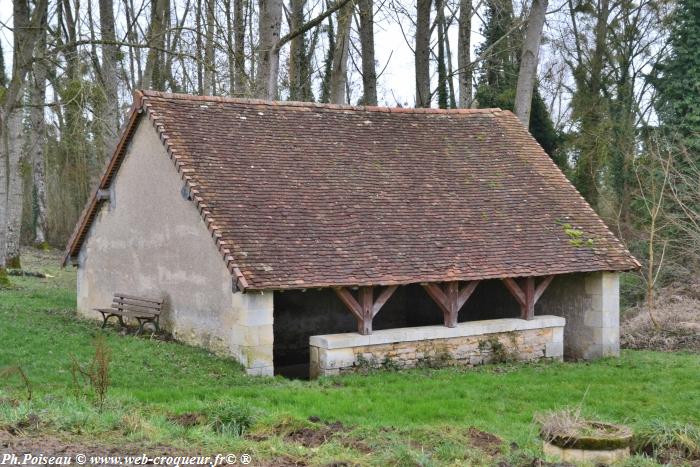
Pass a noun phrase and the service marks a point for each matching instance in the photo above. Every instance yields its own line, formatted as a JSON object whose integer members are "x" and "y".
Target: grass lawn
{"x": 418, "y": 417}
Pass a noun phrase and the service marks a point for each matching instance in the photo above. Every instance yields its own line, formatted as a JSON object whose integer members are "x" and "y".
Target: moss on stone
{"x": 600, "y": 436}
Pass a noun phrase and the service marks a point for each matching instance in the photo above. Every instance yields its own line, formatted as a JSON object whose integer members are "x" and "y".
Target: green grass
{"x": 412, "y": 417}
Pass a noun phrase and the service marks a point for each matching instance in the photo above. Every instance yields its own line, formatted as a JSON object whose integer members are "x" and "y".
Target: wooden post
{"x": 365, "y": 308}
{"x": 364, "y": 325}
{"x": 528, "y": 311}
{"x": 528, "y": 294}
{"x": 450, "y": 298}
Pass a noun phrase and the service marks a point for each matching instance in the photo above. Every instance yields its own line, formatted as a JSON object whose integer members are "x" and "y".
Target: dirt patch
{"x": 313, "y": 437}
{"x": 677, "y": 313}
{"x": 487, "y": 442}
{"x": 52, "y": 446}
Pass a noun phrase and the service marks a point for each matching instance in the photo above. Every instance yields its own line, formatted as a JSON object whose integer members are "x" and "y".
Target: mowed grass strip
{"x": 152, "y": 380}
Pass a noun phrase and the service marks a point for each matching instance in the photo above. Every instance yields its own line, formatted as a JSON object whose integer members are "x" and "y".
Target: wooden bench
{"x": 144, "y": 310}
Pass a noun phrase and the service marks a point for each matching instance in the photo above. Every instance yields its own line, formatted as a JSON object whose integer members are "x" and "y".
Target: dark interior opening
{"x": 299, "y": 315}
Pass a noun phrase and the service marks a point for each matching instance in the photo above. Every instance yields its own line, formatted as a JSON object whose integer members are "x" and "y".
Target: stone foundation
{"x": 467, "y": 344}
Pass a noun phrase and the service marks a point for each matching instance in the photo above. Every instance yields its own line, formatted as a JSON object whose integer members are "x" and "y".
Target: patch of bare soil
{"x": 312, "y": 437}
{"x": 51, "y": 446}
{"x": 487, "y": 442}
{"x": 677, "y": 313}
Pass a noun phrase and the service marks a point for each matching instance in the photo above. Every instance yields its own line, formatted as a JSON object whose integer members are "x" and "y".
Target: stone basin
{"x": 602, "y": 443}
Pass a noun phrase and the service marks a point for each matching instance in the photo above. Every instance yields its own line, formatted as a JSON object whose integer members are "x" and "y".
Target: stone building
{"x": 293, "y": 234}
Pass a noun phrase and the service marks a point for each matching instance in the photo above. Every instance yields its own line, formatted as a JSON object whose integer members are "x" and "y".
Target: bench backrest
{"x": 124, "y": 302}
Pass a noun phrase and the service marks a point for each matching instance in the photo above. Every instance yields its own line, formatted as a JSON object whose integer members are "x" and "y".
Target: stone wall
{"x": 590, "y": 303}
{"x": 470, "y": 343}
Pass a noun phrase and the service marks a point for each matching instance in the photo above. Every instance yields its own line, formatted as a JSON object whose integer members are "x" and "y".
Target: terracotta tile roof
{"x": 301, "y": 195}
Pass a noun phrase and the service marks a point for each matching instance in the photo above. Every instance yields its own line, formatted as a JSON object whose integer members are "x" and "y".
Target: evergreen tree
{"x": 678, "y": 80}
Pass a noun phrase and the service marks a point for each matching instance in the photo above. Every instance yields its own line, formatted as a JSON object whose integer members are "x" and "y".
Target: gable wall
{"x": 150, "y": 241}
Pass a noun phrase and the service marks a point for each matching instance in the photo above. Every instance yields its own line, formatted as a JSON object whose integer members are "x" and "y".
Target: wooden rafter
{"x": 527, "y": 294}
{"x": 364, "y": 307}
{"x": 450, "y": 298}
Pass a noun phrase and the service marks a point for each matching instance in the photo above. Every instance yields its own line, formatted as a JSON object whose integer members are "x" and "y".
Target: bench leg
{"x": 105, "y": 317}
{"x": 144, "y": 321}
{"x": 157, "y": 323}
{"x": 121, "y": 322}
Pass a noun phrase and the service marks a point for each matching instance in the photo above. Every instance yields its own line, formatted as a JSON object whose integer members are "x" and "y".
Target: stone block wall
{"x": 468, "y": 344}
{"x": 253, "y": 333}
{"x": 591, "y": 305}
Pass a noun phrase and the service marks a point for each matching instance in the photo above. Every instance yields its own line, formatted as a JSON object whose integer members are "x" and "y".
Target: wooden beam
{"x": 450, "y": 298}
{"x": 438, "y": 295}
{"x": 515, "y": 290}
{"x": 346, "y": 297}
{"x": 542, "y": 286}
{"x": 382, "y": 299}
{"x": 364, "y": 307}
{"x": 465, "y": 292}
{"x": 528, "y": 294}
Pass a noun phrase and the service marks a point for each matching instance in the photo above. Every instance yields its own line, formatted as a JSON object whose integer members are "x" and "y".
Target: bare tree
{"x": 464, "y": 65}
{"x": 422, "y": 53}
{"x": 208, "y": 83}
{"x": 239, "y": 23}
{"x": 270, "y": 22}
{"x": 271, "y": 43}
{"x": 109, "y": 77}
{"x": 26, "y": 34}
{"x": 340, "y": 56}
{"x": 528, "y": 60}
{"x": 36, "y": 140}
{"x": 369, "y": 73}
{"x": 153, "y": 75}
{"x": 299, "y": 67}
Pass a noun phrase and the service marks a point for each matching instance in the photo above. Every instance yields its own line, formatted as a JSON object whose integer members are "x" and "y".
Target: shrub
{"x": 96, "y": 373}
{"x": 668, "y": 440}
{"x": 231, "y": 418}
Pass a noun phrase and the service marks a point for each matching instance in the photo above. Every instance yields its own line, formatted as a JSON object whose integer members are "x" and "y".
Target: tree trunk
{"x": 239, "y": 51}
{"x": 153, "y": 75}
{"x": 208, "y": 86}
{"x": 37, "y": 140}
{"x": 464, "y": 53}
{"x": 339, "y": 75}
{"x": 26, "y": 33}
{"x": 109, "y": 76}
{"x": 369, "y": 73}
{"x": 15, "y": 187}
{"x": 527, "y": 74}
{"x": 270, "y": 22}
{"x": 299, "y": 73}
{"x": 422, "y": 51}
{"x": 328, "y": 62}
{"x": 441, "y": 65}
